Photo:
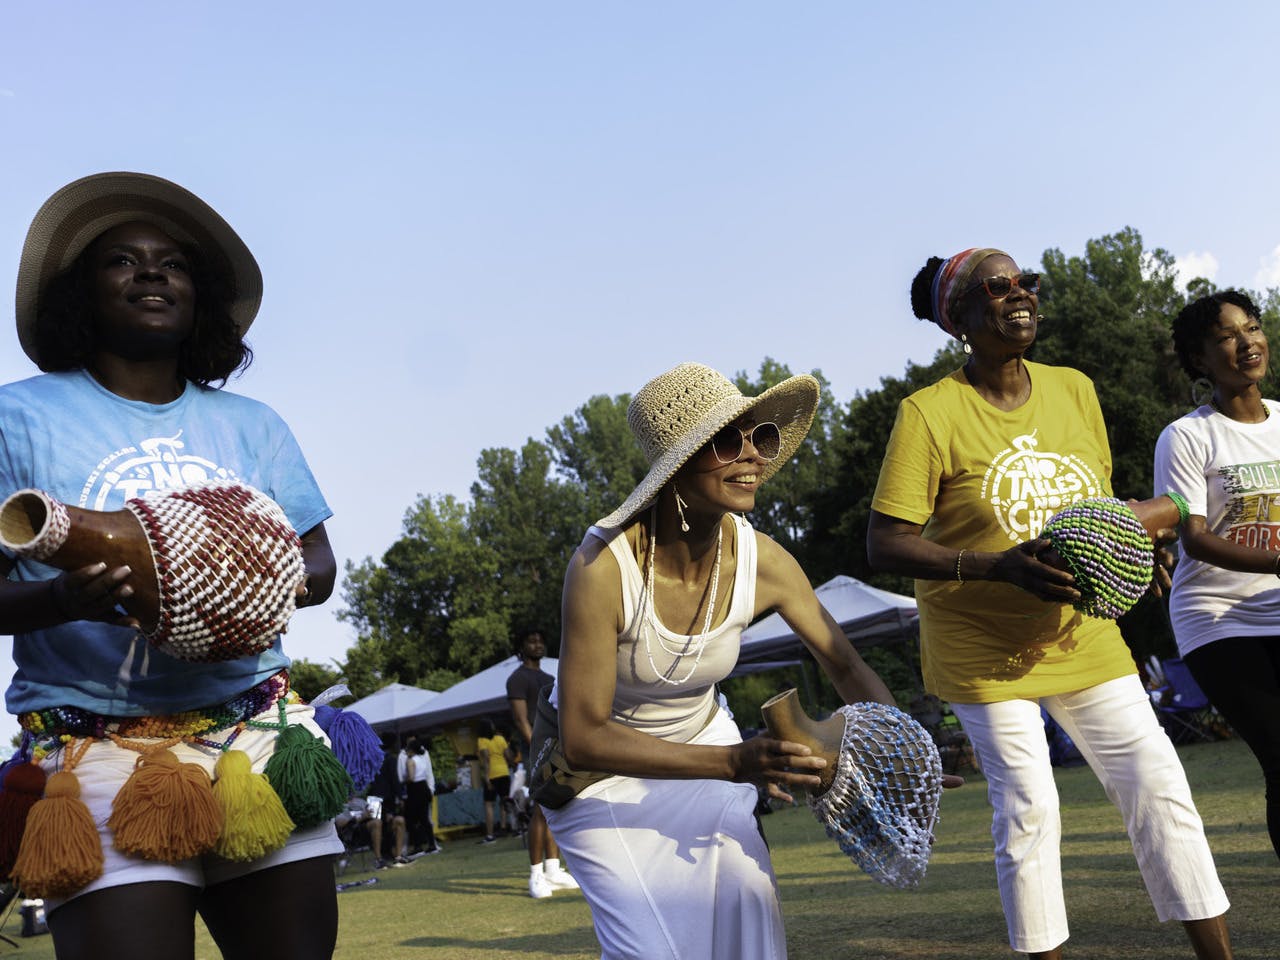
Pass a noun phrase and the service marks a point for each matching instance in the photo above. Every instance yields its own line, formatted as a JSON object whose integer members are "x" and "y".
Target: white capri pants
{"x": 1118, "y": 734}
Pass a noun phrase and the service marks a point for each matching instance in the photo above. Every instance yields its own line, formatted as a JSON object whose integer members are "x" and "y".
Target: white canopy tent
{"x": 868, "y": 616}
{"x": 385, "y": 709}
{"x": 476, "y": 696}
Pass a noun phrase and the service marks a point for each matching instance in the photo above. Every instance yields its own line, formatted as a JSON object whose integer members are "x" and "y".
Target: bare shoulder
{"x": 778, "y": 574}
{"x": 592, "y": 585}
{"x": 593, "y": 563}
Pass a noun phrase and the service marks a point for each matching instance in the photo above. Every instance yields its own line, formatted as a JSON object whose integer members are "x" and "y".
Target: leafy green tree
{"x": 404, "y": 608}
{"x": 309, "y": 680}
{"x": 852, "y": 468}
{"x": 531, "y": 522}
{"x": 594, "y": 450}
{"x": 784, "y": 505}
{"x": 1108, "y": 315}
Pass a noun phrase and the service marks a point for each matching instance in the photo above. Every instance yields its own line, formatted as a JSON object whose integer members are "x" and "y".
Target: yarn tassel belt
{"x": 170, "y": 810}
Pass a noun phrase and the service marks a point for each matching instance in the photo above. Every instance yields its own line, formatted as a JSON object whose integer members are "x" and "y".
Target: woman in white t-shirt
{"x": 1224, "y": 457}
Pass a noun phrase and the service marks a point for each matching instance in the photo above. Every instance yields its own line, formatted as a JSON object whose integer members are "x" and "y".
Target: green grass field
{"x": 471, "y": 901}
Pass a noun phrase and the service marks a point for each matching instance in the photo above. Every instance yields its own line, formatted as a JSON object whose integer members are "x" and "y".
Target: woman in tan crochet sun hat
{"x": 655, "y": 602}
{"x": 133, "y": 297}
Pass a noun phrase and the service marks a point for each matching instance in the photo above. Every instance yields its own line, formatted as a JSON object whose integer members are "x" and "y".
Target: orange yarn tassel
{"x": 165, "y": 810}
{"x": 255, "y": 821}
{"x": 61, "y": 850}
{"x": 23, "y": 787}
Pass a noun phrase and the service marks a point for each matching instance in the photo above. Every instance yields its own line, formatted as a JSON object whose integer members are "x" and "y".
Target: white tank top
{"x": 641, "y": 699}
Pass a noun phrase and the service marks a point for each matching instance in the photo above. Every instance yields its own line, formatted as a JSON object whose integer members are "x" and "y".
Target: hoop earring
{"x": 680, "y": 505}
{"x": 1201, "y": 391}
{"x": 965, "y": 345}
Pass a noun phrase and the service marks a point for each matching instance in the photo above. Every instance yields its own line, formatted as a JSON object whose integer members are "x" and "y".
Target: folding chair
{"x": 354, "y": 835}
{"x": 1185, "y": 712}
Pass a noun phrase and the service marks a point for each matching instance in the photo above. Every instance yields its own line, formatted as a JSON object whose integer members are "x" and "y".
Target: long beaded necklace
{"x": 650, "y": 617}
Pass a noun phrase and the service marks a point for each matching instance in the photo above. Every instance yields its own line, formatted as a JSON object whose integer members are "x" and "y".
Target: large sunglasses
{"x": 1000, "y": 287}
{"x": 728, "y": 442}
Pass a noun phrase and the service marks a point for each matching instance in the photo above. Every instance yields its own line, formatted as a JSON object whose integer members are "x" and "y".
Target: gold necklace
{"x": 1266, "y": 411}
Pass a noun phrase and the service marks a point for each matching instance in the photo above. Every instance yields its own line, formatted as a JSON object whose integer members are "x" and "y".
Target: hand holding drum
{"x": 216, "y": 566}
{"x": 880, "y": 789}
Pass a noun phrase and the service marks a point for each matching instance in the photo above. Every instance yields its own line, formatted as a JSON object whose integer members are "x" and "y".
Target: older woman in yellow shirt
{"x": 976, "y": 464}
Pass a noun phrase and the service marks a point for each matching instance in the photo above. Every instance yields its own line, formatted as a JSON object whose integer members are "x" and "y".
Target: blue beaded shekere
{"x": 883, "y": 801}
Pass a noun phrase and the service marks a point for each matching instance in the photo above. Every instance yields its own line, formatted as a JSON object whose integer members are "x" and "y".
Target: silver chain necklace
{"x": 649, "y": 614}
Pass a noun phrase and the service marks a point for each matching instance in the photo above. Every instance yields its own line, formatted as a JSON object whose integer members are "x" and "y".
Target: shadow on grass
{"x": 833, "y": 911}
{"x": 514, "y": 946}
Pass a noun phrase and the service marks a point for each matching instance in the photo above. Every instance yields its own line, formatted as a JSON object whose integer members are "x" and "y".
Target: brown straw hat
{"x": 675, "y": 414}
{"x": 74, "y": 217}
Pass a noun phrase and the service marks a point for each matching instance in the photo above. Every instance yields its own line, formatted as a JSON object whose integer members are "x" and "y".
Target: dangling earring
{"x": 1039, "y": 318}
{"x": 680, "y": 505}
{"x": 965, "y": 345}
{"x": 1201, "y": 391}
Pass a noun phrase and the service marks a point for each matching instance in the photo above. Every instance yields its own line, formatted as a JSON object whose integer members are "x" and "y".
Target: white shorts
{"x": 105, "y": 767}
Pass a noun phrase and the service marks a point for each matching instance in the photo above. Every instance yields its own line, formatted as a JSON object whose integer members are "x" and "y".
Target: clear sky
{"x": 471, "y": 217}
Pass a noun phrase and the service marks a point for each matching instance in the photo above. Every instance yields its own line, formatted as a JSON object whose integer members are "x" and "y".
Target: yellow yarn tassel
{"x": 165, "y": 810}
{"x": 61, "y": 850}
{"x": 254, "y": 819}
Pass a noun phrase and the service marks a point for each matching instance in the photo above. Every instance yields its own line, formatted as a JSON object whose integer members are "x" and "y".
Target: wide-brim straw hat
{"x": 675, "y": 414}
{"x": 77, "y": 214}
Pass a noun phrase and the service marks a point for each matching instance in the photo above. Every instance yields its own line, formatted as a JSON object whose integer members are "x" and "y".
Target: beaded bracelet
{"x": 959, "y": 557}
{"x": 1184, "y": 508}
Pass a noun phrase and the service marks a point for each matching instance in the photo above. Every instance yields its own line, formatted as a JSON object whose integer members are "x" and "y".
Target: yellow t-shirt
{"x": 496, "y": 747}
{"x": 980, "y": 478}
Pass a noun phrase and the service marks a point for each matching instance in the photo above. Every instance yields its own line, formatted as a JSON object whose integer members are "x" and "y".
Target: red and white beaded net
{"x": 229, "y": 565}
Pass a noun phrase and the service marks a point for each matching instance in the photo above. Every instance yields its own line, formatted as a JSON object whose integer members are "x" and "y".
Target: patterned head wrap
{"x": 952, "y": 279}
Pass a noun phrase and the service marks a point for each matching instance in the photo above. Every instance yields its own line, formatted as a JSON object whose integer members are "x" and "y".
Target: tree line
{"x": 446, "y": 597}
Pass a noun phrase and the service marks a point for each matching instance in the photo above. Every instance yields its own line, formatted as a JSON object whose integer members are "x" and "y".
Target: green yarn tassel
{"x": 310, "y": 781}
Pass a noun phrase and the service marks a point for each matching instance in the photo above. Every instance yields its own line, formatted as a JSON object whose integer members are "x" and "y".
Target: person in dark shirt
{"x": 523, "y": 688}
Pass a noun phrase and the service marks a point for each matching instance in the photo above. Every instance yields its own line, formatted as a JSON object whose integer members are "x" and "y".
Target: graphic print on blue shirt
{"x": 68, "y": 435}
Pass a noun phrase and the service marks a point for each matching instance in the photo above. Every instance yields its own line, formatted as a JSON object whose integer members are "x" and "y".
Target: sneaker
{"x": 560, "y": 881}
{"x": 402, "y": 862}
{"x": 436, "y": 849}
{"x": 380, "y": 864}
{"x": 539, "y": 888}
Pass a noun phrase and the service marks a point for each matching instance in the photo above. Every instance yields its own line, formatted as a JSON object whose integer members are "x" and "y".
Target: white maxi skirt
{"x": 674, "y": 869}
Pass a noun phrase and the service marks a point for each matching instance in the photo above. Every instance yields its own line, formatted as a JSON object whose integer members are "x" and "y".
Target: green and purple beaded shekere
{"x": 1109, "y": 552}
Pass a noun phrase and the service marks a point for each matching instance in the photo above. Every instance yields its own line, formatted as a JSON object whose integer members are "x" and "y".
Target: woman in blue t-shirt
{"x": 133, "y": 298}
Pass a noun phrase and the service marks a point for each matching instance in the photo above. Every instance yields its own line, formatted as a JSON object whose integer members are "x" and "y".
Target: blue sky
{"x": 472, "y": 217}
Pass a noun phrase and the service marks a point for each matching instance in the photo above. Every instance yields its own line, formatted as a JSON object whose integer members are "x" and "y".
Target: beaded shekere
{"x": 229, "y": 566}
{"x": 1108, "y": 551}
{"x": 883, "y": 801}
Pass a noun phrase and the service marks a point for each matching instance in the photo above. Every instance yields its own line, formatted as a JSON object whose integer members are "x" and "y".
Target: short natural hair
{"x": 1193, "y": 322}
{"x": 520, "y": 636}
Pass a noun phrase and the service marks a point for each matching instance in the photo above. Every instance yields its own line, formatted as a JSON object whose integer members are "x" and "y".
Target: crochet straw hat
{"x": 675, "y": 414}
{"x": 75, "y": 215}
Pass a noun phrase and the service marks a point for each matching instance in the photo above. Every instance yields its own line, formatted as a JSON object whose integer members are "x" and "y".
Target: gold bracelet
{"x": 959, "y": 557}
